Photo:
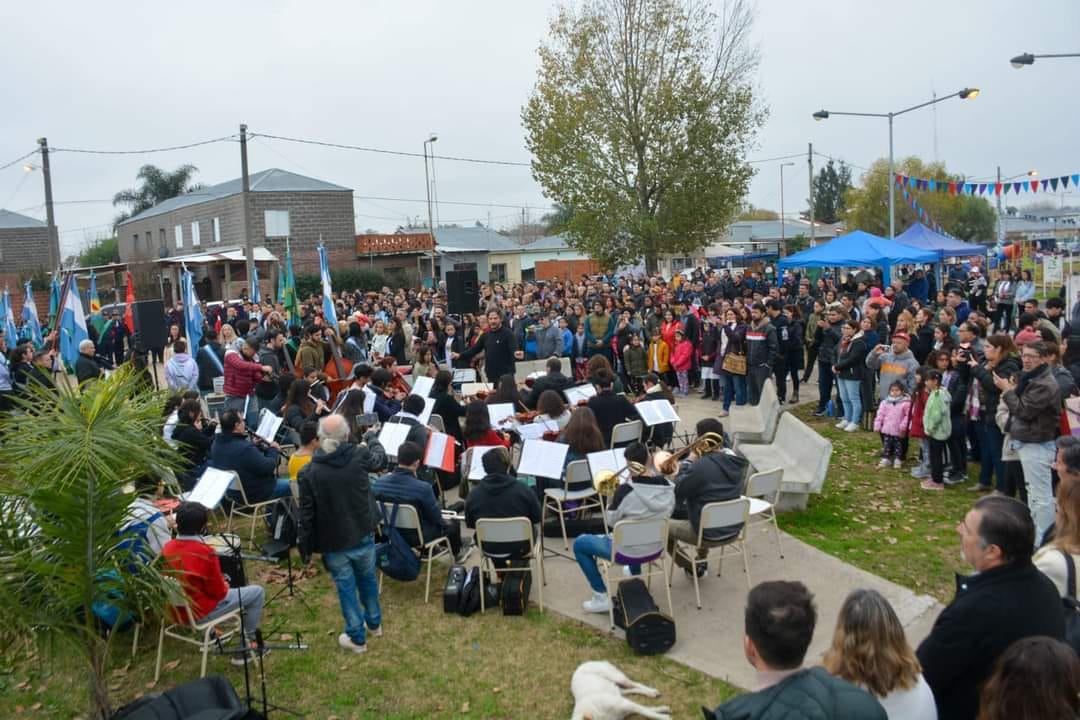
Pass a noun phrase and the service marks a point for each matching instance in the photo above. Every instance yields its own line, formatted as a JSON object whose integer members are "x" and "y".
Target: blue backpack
{"x": 394, "y": 556}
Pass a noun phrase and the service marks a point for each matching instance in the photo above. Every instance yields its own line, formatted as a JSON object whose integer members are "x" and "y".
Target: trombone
{"x": 667, "y": 463}
{"x": 606, "y": 481}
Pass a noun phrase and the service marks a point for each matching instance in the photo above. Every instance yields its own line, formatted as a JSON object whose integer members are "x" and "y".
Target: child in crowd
{"x": 891, "y": 421}
{"x": 659, "y": 356}
{"x": 916, "y": 430}
{"x": 938, "y": 427}
{"x": 681, "y": 360}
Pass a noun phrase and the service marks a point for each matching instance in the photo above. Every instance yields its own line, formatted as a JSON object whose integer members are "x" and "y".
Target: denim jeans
{"x": 251, "y": 598}
{"x": 734, "y": 389}
{"x": 851, "y": 400}
{"x": 1036, "y": 459}
{"x": 353, "y": 571}
{"x": 991, "y": 465}
{"x": 824, "y": 384}
{"x": 589, "y": 547}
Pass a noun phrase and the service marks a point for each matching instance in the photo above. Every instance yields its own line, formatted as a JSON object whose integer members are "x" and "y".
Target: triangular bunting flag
{"x": 1016, "y": 188}
{"x": 1005, "y": 188}
{"x": 1026, "y": 185}
{"x": 952, "y": 188}
{"x": 1044, "y": 184}
{"x": 933, "y": 186}
{"x": 1064, "y": 181}
{"x": 1054, "y": 183}
{"x": 899, "y": 179}
{"x": 1034, "y": 186}
{"x": 982, "y": 188}
{"x": 1076, "y": 179}
{"x": 967, "y": 189}
{"x": 913, "y": 182}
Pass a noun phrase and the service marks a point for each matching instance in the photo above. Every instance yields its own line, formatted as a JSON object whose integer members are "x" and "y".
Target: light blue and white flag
{"x": 30, "y": 316}
{"x": 329, "y": 313}
{"x": 253, "y": 293}
{"x": 72, "y": 323}
{"x": 193, "y": 317}
{"x": 10, "y": 329}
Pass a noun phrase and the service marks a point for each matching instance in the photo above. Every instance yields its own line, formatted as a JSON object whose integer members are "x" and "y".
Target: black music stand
{"x": 278, "y": 544}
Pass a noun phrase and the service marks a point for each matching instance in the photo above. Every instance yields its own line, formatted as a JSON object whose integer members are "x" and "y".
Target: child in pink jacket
{"x": 681, "y": 360}
{"x": 891, "y": 421}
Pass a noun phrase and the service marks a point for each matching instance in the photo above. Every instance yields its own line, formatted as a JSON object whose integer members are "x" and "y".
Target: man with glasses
{"x": 1034, "y": 402}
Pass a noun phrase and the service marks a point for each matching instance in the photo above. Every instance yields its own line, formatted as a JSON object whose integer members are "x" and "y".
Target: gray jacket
{"x": 893, "y": 367}
{"x": 548, "y": 341}
{"x": 643, "y": 497}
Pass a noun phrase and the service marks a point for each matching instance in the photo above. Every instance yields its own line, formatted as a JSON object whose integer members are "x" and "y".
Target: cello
{"x": 338, "y": 369}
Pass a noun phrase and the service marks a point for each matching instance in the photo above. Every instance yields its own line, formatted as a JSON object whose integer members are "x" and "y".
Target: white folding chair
{"x": 763, "y": 492}
{"x": 626, "y": 433}
{"x": 508, "y": 530}
{"x": 203, "y": 635}
{"x": 436, "y": 423}
{"x": 714, "y": 516}
{"x": 577, "y": 487}
{"x": 409, "y": 519}
{"x": 246, "y": 509}
{"x": 638, "y": 542}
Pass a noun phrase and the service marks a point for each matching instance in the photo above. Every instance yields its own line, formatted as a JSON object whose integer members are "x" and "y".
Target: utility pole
{"x": 50, "y": 218}
{"x": 245, "y": 185}
{"x": 810, "y": 165}
{"x": 783, "y": 223}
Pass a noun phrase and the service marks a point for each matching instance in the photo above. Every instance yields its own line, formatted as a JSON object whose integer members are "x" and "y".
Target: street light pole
{"x": 783, "y": 233}
{"x": 965, "y": 94}
{"x": 1020, "y": 61}
{"x": 427, "y": 186}
{"x": 50, "y": 218}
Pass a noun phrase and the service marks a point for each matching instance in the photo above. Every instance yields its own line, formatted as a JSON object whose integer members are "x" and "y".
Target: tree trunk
{"x": 100, "y": 708}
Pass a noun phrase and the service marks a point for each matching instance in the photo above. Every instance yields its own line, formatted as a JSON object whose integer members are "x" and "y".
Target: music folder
{"x": 656, "y": 412}
{"x": 210, "y": 488}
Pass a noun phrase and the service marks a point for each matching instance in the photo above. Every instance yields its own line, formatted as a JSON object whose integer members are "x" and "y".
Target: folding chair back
{"x": 625, "y": 433}
{"x": 407, "y": 518}
{"x": 723, "y": 514}
{"x": 504, "y": 530}
{"x": 577, "y": 476}
{"x": 635, "y": 542}
{"x": 436, "y": 422}
{"x": 765, "y": 485}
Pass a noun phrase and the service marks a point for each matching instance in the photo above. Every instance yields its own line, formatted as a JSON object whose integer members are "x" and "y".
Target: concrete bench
{"x": 754, "y": 423}
{"x": 801, "y": 452}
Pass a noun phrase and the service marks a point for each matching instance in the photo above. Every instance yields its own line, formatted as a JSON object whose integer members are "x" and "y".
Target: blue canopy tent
{"x": 920, "y": 236}
{"x": 859, "y": 249}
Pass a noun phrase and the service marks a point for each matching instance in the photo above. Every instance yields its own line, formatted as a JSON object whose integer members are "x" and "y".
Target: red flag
{"x": 129, "y": 300}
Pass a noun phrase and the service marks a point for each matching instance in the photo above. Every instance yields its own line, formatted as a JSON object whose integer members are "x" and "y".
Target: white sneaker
{"x": 883, "y": 463}
{"x": 377, "y": 632}
{"x": 346, "y": 642}
{"x": 598, "y": 603}
{"x": 897, "y": 463}
{"x": 841, "y": 425}
{"x": 851, "y": 427}
{"x": 626, "y": 571}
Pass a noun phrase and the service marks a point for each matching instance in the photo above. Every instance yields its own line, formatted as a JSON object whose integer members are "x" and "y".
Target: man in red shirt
{"x": 208, "y": 594}
{"x": 242, "y": 373}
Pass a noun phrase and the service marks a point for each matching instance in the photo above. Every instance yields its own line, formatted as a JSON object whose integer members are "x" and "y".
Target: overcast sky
{"x": 121, "y": 76}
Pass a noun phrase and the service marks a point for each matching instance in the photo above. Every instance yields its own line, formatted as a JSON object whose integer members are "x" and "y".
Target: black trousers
{"x": 957, "y": 447}
{"x": 811, "y": 357}
{"x": 780, "y": 375}
{"x": 755, "y": 380}
{"x": 937, "y": 459}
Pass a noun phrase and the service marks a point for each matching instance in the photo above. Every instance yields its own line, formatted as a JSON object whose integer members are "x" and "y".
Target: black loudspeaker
{"x": 462, "y": 292}
{"x": 150, "y": 324}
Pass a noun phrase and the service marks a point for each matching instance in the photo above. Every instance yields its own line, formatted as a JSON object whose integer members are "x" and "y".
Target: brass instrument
{"x": 605, "y": 481}
{"x": 667, "y": 463}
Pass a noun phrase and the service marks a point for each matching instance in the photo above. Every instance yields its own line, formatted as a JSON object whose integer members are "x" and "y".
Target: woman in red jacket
{"x": 668, "y": 328}
{"x": 478, "y": 430}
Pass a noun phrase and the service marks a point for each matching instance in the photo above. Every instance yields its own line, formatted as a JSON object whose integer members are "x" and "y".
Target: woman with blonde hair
{"x": 869, "y": 650}
{"x": 1054, "y": 558}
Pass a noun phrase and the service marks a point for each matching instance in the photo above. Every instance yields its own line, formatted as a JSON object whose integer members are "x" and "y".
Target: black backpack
{"x": 1072, "y": 606}
{"x": 516, "y": 585}
{"x": 394, "y": 556}
{"x": 648, "y": 631}
{"x": 470, "y": 593}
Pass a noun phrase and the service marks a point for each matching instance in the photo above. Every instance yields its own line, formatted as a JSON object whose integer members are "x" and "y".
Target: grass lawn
{"x": 879, "y": 519}
{"x": 427, "y": 665}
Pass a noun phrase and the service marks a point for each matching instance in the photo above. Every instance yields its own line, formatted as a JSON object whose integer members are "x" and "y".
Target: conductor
{"x": 499, "y": 347}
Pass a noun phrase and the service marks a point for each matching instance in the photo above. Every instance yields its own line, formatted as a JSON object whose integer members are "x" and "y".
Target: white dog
{"x": 598, "y": 689}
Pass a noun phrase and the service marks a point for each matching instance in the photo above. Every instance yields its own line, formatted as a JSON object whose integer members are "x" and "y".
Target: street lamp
{"x": 783, "y": 223}
{"x": 1020, "y": 61}
{"x": 965, "y": 94}
{"x": 427, "y": 185}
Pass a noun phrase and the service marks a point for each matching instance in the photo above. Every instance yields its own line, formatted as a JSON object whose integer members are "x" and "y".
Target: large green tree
{"x": 640, "y": 121}
{"x": 962, "y": 216}
{"x": 102, "y": 252}
{"x": 155, "y": 185}
{"x": 830, "y": 189}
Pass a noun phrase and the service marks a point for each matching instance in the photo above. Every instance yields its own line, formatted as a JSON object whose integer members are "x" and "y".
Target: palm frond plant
{"x": 65, "y": 462}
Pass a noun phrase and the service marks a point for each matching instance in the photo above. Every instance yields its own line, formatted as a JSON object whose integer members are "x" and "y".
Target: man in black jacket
{"x": 255, "y": 464}
{"x": 87, "y": 365}
{"x": 610, "y": 408}
{"x": 828, "y": 334}
{"x": 499, "y": 346}
{"x": 780, "y": 370}
{"x": 1006, "y": 599}
{"x": 337, "y": 518}
{"x": 211, "y": 361}
{"x": 713, "y": 477}
{"x": 500, "y": 495}
{"x": 554, "y": 380}
{"x": 762, "y": 351}
{"x": 779, "y": 620}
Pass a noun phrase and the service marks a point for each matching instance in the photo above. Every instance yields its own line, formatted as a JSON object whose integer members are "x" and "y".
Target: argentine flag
{"x": 255, "y": 294}
{"x": 72, "y": 323}
{"x": 193, "y": 318}
{"x": 30, "y": 316}
{"x": 10, "y": 330}
{"x": 329, "y": 313}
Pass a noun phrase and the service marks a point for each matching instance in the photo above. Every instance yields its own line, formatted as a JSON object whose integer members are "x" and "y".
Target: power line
{"x": 144, "y": 151}
{"x": 450, "y": 202}
{"x": 383, "y": 151}
{"x": 774, "y": 159}
{"x": 18, "y": 160}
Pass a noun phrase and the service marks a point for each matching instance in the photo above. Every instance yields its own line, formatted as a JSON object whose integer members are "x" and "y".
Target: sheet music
{"x": 464, "y": 375}
{"x": 369, "y": 401}
{"x": 656, "y": 412}
{"x": 268, "y": 425}
{"x": 210, "y": 488}
{"x": 530, "y": 431}
{"x": 498, "y": 414}
{"x": 579, "y": 392}
{"x": 476, "y": 467}
{"x": 422, "y": 386}
{"x": 614, "y": 460}
{"x": 392, "y": 435}
{"x": 542, "y": 458}
{"x": 471, "y": 388}
{"x": 429, "y": 406}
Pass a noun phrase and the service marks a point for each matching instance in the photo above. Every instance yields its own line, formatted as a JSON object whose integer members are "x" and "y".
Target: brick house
{"x": 24, "y": 252}
{"x": 283, "y": 207}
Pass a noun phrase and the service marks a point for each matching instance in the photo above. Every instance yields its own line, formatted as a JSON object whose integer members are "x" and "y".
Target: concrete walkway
{"x": 710, "y": 639}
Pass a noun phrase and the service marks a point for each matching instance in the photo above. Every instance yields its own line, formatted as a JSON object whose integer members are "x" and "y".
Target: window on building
{"x": 464, "y": 266}
{"x": 195, "y": 239}
{"x": 178, "y": 231}
{"x": 277, "y": 223}
{"x": 149, "y": 241}
{"x": 135, "y": 242}
{"x": 681, "y": 263}
{"x": 217, "y": 230}
{"x": 498, "y": 272}
{"x": 161, "y": 237}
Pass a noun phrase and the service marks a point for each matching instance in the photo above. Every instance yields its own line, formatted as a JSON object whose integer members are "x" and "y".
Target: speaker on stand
{"x": 151, "y": 333}
{"x": 462, "y": 292}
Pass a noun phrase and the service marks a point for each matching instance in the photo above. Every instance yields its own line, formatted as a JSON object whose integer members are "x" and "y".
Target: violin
{"x": 526, "y": 417}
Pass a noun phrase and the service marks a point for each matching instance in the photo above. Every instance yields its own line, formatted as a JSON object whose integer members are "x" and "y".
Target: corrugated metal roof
{"x": 551, "y": 242}
{"x": 770, "y": 229}
{"x": 472, "y": 239}
{"x": 272, "y": 180}
{"x": 12, "y": 220}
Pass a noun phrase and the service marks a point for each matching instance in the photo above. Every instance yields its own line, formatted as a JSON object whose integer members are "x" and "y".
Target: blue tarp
{"x": 859, "y": 249}
{"x": 920, "y": 236}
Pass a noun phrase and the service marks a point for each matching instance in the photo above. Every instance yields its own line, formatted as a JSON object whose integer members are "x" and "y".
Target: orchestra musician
{"x": 385, "y": 404}
{"x": 658, "y": 435}
{"x": 254, "y": 460}
{"x": 609, "y": 407}
{"x": 242, "y": 373}
{"x": 409, "y": 414}
{"x": 553, "y": 380}
{"x": 499, "y": 346}
{"x": 446, "y": 405}
{"x": 311, "y": 353}
{"x": 712, "y": 477}
{"x": 507, "y": 392}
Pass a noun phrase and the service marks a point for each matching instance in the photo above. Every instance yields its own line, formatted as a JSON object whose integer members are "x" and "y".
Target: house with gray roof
{"x": 24, "y": 247}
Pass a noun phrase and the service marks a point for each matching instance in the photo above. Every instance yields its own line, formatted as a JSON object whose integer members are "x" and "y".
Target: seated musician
{"x": 301, "y": 408}
{"x": 507, "y": 392}
{"x": 403, "y": 486}
{"x": 645, "y": 495}
{"x": 659, "y": 435}
{"x": 501, "y": 495}
{"x": 255, "y": 463}
{"x": 553, "y": 380}
{"x": 582, "y": 434}
{"x": 199, "y": 572}
{"x": 712, "y": 477}
{"x": 309, "y": 443}
{"x": 411, "y": 410}
{"x": 554, "y": 414}
{"x": 446, "y": 405}
{"x": 385, "y": 405}
{"x": 478, "y": 429}
{"x": 609, "y": 407}
{"x": 194, "y": 436}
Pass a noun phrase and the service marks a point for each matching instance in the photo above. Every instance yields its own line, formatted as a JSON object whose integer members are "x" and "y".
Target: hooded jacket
{"x": 182, "y": 372}
{"x": 1034, "y": 406}
{"x": 501, "y": 496}
{"x": 893, "y": 415}
{"x": 811, "y": 694}
{"x": 337, "y": 506}
{"x": 715, "y": 477}
{"x": 893, "y": 367}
